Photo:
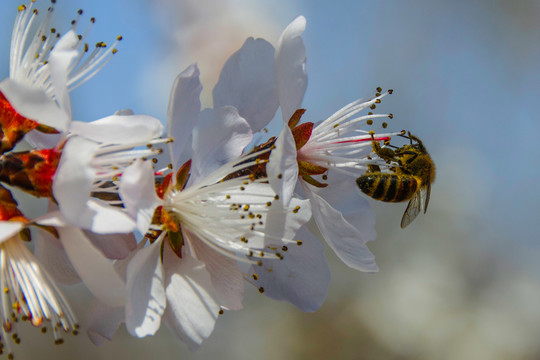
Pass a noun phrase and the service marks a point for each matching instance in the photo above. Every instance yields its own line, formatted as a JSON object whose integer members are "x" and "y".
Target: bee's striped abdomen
{"x": 388, "y": 187}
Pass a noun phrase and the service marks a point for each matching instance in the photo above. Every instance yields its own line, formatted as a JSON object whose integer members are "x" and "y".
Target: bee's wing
{"x": 425, "y": 192}
{"x": 412, "y": 211}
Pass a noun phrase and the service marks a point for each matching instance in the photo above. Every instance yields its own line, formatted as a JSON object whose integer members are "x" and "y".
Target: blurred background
{"x": 463, "y": 281}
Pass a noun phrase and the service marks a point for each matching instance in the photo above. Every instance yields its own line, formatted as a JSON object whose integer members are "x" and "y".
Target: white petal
{"x": 285, "y": 224}
{"x": 8, "y": 229}
{"x": 113, "y": 246}
{"x": 137, "y": 190}
{"x": 72, "y": 185}
{"x": 121, "y": 265}
{"x": 102, "y": 218}
{"x": 52, "y": 218}
{"x": 282, "y": 167}
{"x": 119, "y": 129}
{"x": 248, "y": 83}
{"x": 302, "y": 277}
{"x": 73, "y": 180}
{"x": 103, "y": 322}
{"x": 220, "y": 136}
{"x": 61, "y": 57}
{"x": 34, "y": 104}
{"x": 95, "y": 270}
{"x": 97, "y": 217}
{"x": 226, "y": 277}
{"x": 183, "y": 113}
{"x": 192, "y": 307}
{"x": 291, "y": 68}
{"x": 54, "y": 259}
{"x": 348, "y": 242}
{"x": 355, "y": 208}
{"x": 146, "y": 301}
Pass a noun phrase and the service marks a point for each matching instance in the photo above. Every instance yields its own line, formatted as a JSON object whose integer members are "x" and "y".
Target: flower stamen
{"x": 30, "y": 51}
{"x": 29, "y": 293}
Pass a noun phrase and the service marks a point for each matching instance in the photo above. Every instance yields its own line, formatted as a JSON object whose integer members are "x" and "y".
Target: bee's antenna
{"x": 410, "y": 137}
{"x": 402, "y": 134}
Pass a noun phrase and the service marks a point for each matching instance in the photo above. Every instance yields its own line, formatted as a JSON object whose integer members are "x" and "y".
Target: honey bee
{"x": 410, "y": 180}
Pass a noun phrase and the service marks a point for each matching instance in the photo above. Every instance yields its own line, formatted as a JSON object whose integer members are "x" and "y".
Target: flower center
{"x": 14, "y": 126}
{"x": 340, "y": 142}
{"x": 30, "y": 171}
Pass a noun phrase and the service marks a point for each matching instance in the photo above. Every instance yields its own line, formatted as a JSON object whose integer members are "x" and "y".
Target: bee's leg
{"x": 413, "y": 154}
{"x": 374, "y": 144}
{"x": 384, "y": 153}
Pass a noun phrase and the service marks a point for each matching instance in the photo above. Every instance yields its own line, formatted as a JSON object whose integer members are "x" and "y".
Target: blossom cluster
{"x": 175, "y": 243}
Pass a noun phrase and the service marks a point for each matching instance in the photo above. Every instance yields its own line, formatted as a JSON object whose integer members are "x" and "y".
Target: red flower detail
{"x": 30, "y": 171}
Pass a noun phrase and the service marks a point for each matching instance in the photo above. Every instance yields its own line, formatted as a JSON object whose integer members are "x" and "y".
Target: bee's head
{"x": 416, "y": 143}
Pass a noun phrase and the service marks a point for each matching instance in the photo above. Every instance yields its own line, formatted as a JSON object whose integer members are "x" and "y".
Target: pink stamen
{"x": 384, "y": 138}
